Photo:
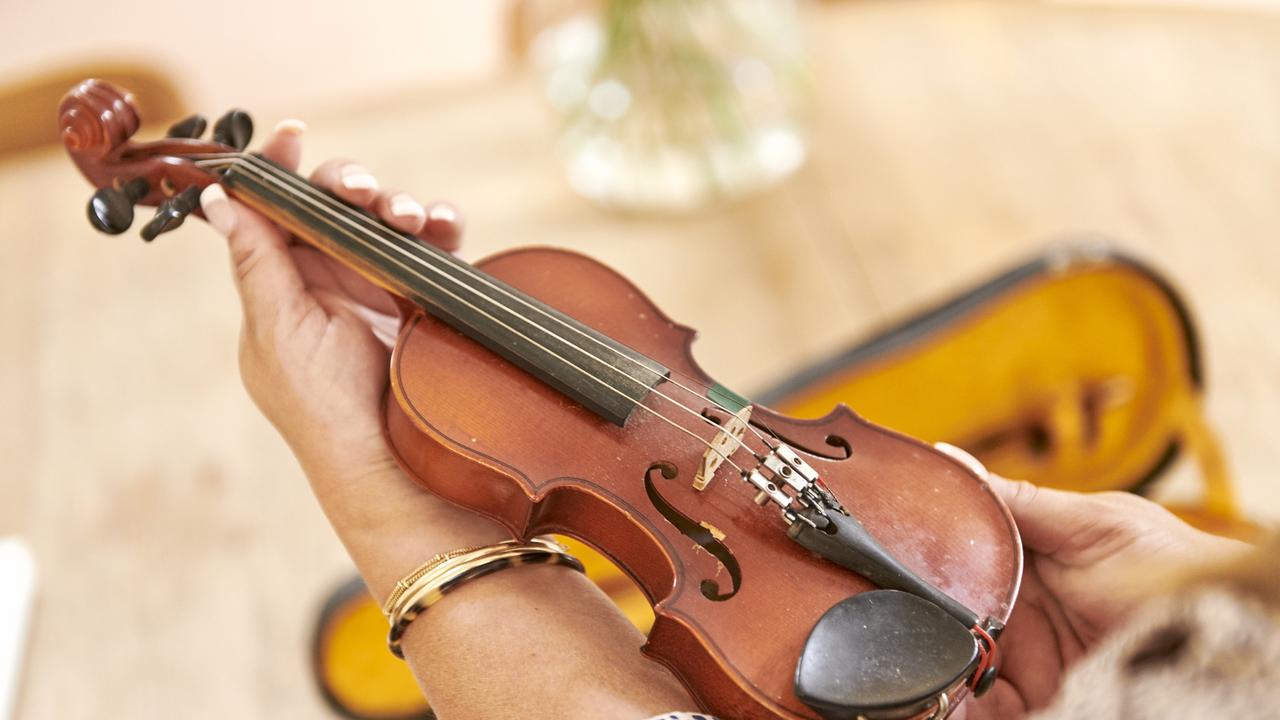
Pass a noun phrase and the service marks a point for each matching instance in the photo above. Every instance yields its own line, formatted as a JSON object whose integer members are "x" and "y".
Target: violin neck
{"x": 600, "y": 373}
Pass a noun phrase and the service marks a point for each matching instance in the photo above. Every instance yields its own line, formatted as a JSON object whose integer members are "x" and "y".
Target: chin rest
{"x": 882, "y": 654}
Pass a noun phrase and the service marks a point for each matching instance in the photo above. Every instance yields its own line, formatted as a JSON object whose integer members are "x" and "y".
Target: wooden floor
{"x": 182, "y": 557}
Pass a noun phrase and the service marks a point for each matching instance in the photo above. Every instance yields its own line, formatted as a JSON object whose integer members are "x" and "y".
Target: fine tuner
{"x": 111, "y": 208}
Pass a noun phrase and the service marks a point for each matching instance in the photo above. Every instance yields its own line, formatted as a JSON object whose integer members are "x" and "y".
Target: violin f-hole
{"x": 838, "y": 447}
{"x": 696, "y": 532}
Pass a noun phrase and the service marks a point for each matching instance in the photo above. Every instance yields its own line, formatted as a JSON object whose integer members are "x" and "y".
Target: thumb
{"x": 1049, "y": 520}
{"x": 265, "y": 274}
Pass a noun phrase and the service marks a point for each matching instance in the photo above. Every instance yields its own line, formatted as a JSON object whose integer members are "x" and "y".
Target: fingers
{"x": 322, "y": 273}
{"x": 265, "y": 274}
{"x": 1048, "y": 519}
{"x": 284, "y": 146}
{"x": 384, "y": 326}
{"x": 1045, "y": 517}
{"x": 438, "y": 223}
{"x": 400, "y": 211}
{"x": 443, "y": 227}
{"x": 964, "y": 457}
{"x": 349, "y": 181}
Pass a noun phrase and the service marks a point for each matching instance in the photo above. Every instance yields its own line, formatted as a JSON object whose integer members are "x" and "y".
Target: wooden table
{"x": 182, "y": 555}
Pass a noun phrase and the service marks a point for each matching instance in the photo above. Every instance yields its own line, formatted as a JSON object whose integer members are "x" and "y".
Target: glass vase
{"x": 674, "y": 105}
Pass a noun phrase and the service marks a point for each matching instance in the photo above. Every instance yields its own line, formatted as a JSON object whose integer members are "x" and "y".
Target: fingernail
{"x": 964, "y": 457}
{"x": 355, "y": 177}
{"x": 217, "y": 209}
{"x": 402, "y": 205}
{"x": 291, "y": 126}
{"x": 442, "y": 212}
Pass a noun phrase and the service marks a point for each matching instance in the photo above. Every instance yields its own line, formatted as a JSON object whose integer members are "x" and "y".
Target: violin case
{"x": 1080, "y": 369}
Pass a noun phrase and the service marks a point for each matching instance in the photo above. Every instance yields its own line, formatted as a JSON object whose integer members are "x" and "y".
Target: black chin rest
{"x": 882, "y": 654}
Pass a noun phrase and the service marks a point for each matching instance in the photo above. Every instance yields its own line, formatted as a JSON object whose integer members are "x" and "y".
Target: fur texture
{"x": 1210, "y": 649}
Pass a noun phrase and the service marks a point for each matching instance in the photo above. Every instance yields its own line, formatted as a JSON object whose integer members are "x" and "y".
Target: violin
{"x": 822, "y": 568}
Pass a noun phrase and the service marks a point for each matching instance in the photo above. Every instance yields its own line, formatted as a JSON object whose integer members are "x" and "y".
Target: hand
{"x": 314, "y": 358}
{"x": 1090, "y": 560}
{"x": 313, "y": 355}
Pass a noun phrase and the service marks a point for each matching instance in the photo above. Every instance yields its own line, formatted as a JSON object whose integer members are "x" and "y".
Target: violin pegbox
{"x": 97, "y": 122}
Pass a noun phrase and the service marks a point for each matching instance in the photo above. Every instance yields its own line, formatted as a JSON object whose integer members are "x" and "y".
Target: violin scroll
{"x": 95, "y": 118}
{"x": 97, "y": 122}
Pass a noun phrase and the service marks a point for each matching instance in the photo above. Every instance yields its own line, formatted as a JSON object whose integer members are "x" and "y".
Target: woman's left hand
{"x": 314, "y": 358}
{"x": 313, "y": 355}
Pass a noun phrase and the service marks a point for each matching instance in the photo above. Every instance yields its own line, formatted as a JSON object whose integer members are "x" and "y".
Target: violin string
{"x": 225, "y": 160}
{"x": 474, "y": 274}
{"x": 481, "y": 278}
{"x": 575, "y": 366}
{"x": 373, "y": 225}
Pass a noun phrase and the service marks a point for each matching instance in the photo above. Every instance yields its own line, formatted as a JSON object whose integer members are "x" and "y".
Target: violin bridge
{"x": 722, "y": 446}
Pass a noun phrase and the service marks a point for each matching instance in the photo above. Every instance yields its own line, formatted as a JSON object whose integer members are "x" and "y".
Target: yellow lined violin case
{"x": 1079, "y": 369}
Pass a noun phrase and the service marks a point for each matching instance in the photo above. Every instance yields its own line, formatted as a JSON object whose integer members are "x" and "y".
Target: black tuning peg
{"x": 111, "y": 210}
{"x": 234, "y": 129}
{"x": 171, "y": 213}
{"x": 191, "y": 127}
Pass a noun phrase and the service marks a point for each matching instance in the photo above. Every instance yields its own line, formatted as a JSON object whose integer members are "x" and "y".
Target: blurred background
{"x": 811, "y": 174}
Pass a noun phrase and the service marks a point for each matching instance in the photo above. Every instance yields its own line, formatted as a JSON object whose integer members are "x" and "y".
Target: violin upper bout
{"x": 832, "y": 436}
{"x": 95, "y": 118}
{"x": 600, "y": 297}
{"x": 841, "y": 416}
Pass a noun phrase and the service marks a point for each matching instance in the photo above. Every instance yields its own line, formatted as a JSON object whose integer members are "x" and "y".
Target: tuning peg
{"x": 191, "y": 127}
{"x": 234, "y": 129}
{"x": 111, "y": 210}
{"x": 171, "y": 213}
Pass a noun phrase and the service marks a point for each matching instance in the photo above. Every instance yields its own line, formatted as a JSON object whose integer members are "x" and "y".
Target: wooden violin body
{"x": 543, "y": 390}
{"x": 474, "y": 430}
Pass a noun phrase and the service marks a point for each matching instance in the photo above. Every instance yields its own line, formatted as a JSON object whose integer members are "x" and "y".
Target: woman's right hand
{"x": 1086, "y": 559}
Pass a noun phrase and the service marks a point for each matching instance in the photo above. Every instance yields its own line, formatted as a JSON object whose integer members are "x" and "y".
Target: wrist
{"x": 330, "y": 458}
{"x": 386, "y": 556}
{"x": 390, "y": 524}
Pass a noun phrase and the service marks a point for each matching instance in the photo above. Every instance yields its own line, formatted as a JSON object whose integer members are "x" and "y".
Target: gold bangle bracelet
{"x": 406, "y": 582}
{"x": 444, "y": 573}
{"x": 427, "y": 576}
{"x": 427, "y": 582}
